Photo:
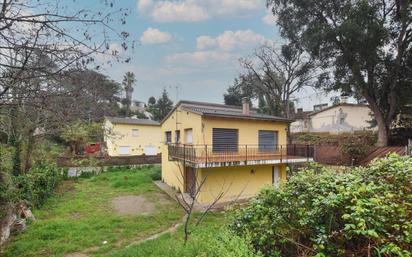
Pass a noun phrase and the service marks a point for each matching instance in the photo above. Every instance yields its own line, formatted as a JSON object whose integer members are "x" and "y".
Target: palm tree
{"x": 129, "y": 79}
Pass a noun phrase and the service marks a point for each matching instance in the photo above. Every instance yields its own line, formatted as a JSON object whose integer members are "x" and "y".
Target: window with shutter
{"x": 177, "y": 136}
{"x": 225, "y": 140}
{"x": 268, "y": 140}
{"x": 188, "y": 136}
{"x": 168, "y": 137}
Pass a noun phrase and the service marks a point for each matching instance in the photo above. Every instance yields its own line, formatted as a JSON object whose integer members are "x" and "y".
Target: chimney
{"x": 246, "y": 106}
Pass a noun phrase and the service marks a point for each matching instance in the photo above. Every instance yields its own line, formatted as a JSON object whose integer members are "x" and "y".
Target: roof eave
{"x": 247, "y": 117}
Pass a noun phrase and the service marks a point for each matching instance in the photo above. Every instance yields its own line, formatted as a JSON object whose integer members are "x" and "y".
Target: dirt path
{"x": 140, "y": 241}
{"x": 157, "y": 235}
{"x": 133, "y": 205}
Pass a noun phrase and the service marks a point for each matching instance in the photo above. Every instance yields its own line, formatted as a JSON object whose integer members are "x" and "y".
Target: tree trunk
{"x": 383, "y": 128}
{"x": 29, "y": 151}
{"x": 383, "y": 133}
{"x": 383, "y": 124}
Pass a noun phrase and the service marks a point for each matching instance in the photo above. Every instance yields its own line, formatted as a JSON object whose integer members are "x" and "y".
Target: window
{"x": 225, "y": 140}
{"x": 177, "y": 136}
{"x": 268, "y": 140}
{"x": 135, "y": 132}
{"x": 188, "y": 136}
{"x": 168, "y": 137}
{"x": 124, "y": 150}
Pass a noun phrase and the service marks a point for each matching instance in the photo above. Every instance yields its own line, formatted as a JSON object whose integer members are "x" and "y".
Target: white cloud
{"x": 197, "y": 10}
{"x": 199, "y": 57}
{"x": 178, "y": 11}
{"x": 155, "y": 36}
{"x": 224, "y": 7}
{"x": 230, "y": 40}
{"x": 143, "y": 5}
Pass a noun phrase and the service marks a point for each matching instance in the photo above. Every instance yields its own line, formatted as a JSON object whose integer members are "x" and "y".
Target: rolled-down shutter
{"x": 225, "y": 140}
{"x": 267, "y": 140}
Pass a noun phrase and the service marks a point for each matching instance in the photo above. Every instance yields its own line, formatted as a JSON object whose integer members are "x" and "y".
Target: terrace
{"x": 207, "y": 156}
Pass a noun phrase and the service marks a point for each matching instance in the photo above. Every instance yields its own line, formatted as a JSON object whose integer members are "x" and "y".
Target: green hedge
{"x": 365, "y": 212}
{"x": 39, "y": 183}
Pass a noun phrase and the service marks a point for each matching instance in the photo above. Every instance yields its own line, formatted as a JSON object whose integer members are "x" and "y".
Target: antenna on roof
{"x": 176, "y": 88}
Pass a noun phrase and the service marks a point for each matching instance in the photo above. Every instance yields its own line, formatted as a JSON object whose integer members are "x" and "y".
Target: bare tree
{"x": 40, "y": 41}
{"x": 189, "y": 201}
{"x": 53, "y": 35}
{"x": 277, "y": 74}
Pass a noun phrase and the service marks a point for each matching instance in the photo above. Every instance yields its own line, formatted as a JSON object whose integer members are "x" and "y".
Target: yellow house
{"x": 225, "y": 152}
{"x": 128, "y": 136}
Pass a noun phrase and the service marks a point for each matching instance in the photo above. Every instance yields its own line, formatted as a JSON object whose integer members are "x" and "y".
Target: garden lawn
{"x": 80, "y": 218}
{"x": 204, "y": 241}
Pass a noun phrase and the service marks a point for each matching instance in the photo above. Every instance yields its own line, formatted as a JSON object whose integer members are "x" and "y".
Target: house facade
{"x": 216, "y": 149}
{"x": 339, "y": 118}
{"x": 131, "y": 137}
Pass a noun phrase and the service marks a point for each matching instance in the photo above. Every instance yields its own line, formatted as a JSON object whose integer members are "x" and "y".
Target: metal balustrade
{"x": 246, "y": 154}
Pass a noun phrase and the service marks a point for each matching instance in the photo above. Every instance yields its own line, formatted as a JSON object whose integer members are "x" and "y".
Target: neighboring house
{"x": 226, "y": 149}
{"x": 302, "y": 121}
{"x": 343, "y": 117}
{"x": 127, "y": 136}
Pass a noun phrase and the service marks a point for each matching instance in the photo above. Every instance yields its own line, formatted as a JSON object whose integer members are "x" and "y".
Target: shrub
{"x": 226, "y": 244}
{"x": 355, "y": 147}
{"x": 156, "y": 173}
{"x": 6, "y": 158}
{"x": 39, "y": 183}
{"x": 367, "y": 211}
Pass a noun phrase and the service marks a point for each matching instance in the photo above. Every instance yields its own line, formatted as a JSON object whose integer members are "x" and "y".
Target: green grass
{"x": 172, "y": 244}
{"x": 79, "y": 218}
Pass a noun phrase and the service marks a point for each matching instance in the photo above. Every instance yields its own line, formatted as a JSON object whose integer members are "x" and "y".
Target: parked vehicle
{"x": 93, "y": 148}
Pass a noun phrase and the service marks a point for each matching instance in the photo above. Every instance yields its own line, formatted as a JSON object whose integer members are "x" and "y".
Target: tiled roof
{"x": 225, "y": 111}
{"x": 118, "y": 120}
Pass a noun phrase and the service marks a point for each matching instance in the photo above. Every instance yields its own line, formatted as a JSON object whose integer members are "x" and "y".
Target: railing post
{"x": 246, "y": 155}
{"x": 184, "y": 155}
{"x": 294, "y": 149}
{"x": 206, "y": 154}
{"x": 281, "y": 154}
{"x": 307, "y": 152}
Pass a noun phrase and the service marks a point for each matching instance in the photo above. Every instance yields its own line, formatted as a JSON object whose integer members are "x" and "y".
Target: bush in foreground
{"x": 366, "y": 212}
{"x": 36, "y": 186}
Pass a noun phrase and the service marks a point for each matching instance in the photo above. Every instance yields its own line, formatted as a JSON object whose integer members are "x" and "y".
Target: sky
{"x": 192, "y": 47}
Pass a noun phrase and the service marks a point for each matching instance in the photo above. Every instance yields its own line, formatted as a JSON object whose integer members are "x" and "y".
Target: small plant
{"x": 156, "y": 173}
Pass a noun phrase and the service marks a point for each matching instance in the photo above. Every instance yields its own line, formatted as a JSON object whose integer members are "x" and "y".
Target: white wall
{"x": 341, "y": 118}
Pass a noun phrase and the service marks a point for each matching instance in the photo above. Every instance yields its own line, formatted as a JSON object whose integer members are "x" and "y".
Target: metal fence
{"x": 241, "y": 153}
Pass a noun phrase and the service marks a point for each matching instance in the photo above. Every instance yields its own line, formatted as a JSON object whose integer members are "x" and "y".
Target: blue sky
{"x": 194, "y": 46}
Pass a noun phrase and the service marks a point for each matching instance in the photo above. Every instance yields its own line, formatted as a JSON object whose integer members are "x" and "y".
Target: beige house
{"x": 218, "y": 149}
{"x": 128, "y": 137}
{"x": 343, "y": 117}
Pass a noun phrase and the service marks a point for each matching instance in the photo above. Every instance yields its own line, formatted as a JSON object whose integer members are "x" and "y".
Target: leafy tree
{"x": 242, "y": 87}
{"x": 162, "y": 107}
{"x": 151, "y": 101}
{"x": 233, "y": 96}
{"x": 129, "y": 80}
{"x": 364, "y": 45}
{"x": 78, "y": 134}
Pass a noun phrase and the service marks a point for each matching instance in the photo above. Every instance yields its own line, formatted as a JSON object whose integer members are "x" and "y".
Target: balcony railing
{"x": 207, "y": 155}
